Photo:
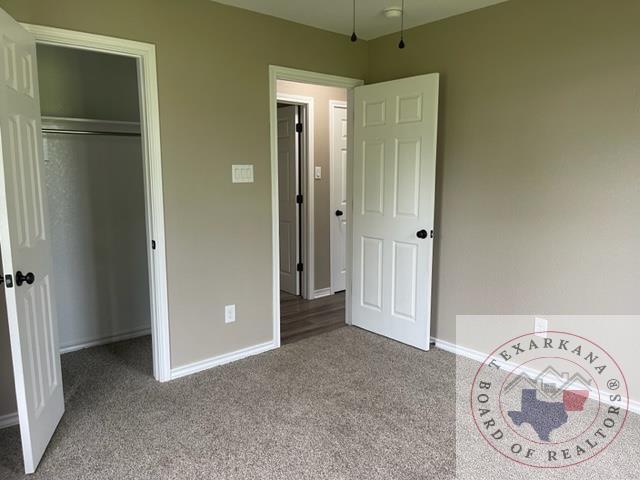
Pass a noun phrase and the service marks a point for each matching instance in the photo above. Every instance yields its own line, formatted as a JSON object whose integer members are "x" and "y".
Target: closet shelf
{"x": 84, "y": 126}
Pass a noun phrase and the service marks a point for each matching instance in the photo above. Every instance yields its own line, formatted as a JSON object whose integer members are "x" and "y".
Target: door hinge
{"x": 299, "y": 198}
{"x": 153, "y": 244}
{"x": 300, "y": 267}
{"x": 299, "y": 127}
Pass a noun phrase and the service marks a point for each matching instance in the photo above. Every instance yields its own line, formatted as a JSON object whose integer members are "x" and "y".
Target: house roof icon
{"x": 551, "y": 383}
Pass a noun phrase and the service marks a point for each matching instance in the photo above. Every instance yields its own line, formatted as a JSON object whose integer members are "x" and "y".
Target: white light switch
{"x": 242, "y": 173}
{"x": 229, "y": 313}
{"x": 318, "y": 173}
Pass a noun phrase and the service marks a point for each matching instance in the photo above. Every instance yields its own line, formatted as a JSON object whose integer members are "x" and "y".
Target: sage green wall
{"x": 214, "y": 112}
{"x": 538, "y": 199}
{"x": 70, "y": 80}
{"x": 322, "y": 187}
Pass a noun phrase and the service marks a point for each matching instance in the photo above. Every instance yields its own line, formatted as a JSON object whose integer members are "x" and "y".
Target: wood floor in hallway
{"x": 300, "y": 318}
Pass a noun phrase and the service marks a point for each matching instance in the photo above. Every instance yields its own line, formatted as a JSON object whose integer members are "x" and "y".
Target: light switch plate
{"x": 229, "y": 313}
{"x": 318, "y": 173}
{"x": 541, "y": 327}
{"x": 242, "y": 173}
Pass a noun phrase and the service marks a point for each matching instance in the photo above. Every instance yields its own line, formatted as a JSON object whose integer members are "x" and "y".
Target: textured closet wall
{"x": 81, "y": 84}
{"x": 322, "y": 187}
{"x": 96, "y": 206}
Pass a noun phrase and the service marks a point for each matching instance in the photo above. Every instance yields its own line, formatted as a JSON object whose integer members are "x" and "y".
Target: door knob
{"x": 22, "y": 278}
{"x": 421, "y": 234}
{"x": 339, "y": 213}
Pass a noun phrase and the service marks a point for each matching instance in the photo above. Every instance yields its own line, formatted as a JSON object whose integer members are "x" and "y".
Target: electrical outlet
{"x": 229, "y": 313}
{"x": 541, "y": 327}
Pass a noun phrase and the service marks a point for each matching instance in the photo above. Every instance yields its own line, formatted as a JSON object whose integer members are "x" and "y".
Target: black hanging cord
{"x": 354, "y": 37}
{"x": 401, "y": 44}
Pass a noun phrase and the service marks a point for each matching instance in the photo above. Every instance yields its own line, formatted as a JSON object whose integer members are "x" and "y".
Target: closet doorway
{"x": 96, "y": 243}
{"x": 95, "y": 192}
{"x": 120, "y": 126}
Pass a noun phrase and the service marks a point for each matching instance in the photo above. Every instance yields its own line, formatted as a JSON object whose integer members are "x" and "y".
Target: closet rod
{"x": 90, "y": 132}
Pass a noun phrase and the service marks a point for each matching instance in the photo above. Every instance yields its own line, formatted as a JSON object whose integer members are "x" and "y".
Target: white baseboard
{"x": 478, "y": 356}
{"x": 323, "y": 292}
{"x": 459, "y": 350}
{"x": 104, "y": 340}
{"x": 195, "y": 367}
{"x": 9, "y": 420}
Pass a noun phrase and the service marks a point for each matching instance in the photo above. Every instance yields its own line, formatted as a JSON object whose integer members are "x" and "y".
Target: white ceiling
{"x": 336, "y": 15}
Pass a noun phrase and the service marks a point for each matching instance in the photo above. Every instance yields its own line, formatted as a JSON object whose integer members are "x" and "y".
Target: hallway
{"x": 300, "y": 318}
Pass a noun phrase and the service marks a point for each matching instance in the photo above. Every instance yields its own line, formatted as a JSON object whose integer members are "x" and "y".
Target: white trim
{"x": 459, "y": 350}
{"x": 195, "y": 367}
{"x": 141, "y": 332}
{"x": 315, "y": 78}
{"x": 283, "y": 73}
{"x": 145, "y": 54}
{"x": 478, "y": 356}
{"x": 308, "y": 162}
{"x": 634, "y": 406}
{"x": 333, "y": 104}
{"x": 9, "y": 420}
{"x": 323, "y": 292}
{"x": 350, "y": 161}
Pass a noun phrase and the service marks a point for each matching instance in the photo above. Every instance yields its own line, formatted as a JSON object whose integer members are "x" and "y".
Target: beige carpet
{"x": 342, "y": 405}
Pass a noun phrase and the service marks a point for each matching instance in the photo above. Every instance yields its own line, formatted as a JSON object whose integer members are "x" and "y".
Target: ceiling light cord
{"x": 354, "y": 37}
{"x": 401, "y": 44}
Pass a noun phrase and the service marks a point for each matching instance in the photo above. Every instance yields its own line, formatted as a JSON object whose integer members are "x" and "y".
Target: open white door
{"x": 339, "y": 212}
{"x": 287, "y": 191}
{"x": 393, "y": 207}
{"x": 25, "y": 245}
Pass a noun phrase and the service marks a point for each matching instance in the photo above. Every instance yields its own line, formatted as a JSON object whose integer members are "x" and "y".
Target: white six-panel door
{"x": 339, "y": 212}
{"x": 25, "y": 245}
{"x": 393, "y": 202}
{"x": 287, "y": 191}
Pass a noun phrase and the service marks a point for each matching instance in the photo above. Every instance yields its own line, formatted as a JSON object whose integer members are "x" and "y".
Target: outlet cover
{"x": 541, "y": 327}
{"x": 229, "y": 313}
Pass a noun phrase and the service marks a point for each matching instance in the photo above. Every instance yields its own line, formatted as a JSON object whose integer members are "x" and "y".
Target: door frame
{"x": 333, "y": 104}
{"x": 145, "y": 56}
{"x": 306, "y": 221}
{"x": 302, "y": 76}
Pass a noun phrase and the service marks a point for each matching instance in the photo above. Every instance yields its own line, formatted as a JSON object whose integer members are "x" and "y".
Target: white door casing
{"x": 339, "y": 213}
{"x": 285, "y": 73}
{"x": 393, "y": 199}
{"x": 287, "y": 191}
{"x": 145, "y": 56}
{"x": 25, "y": 244}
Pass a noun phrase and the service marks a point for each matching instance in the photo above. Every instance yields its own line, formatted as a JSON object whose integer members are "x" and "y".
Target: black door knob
{"x": 421, "y": 234}
{"x": 339, "y": 213}
{"x": 21, "y": 278}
